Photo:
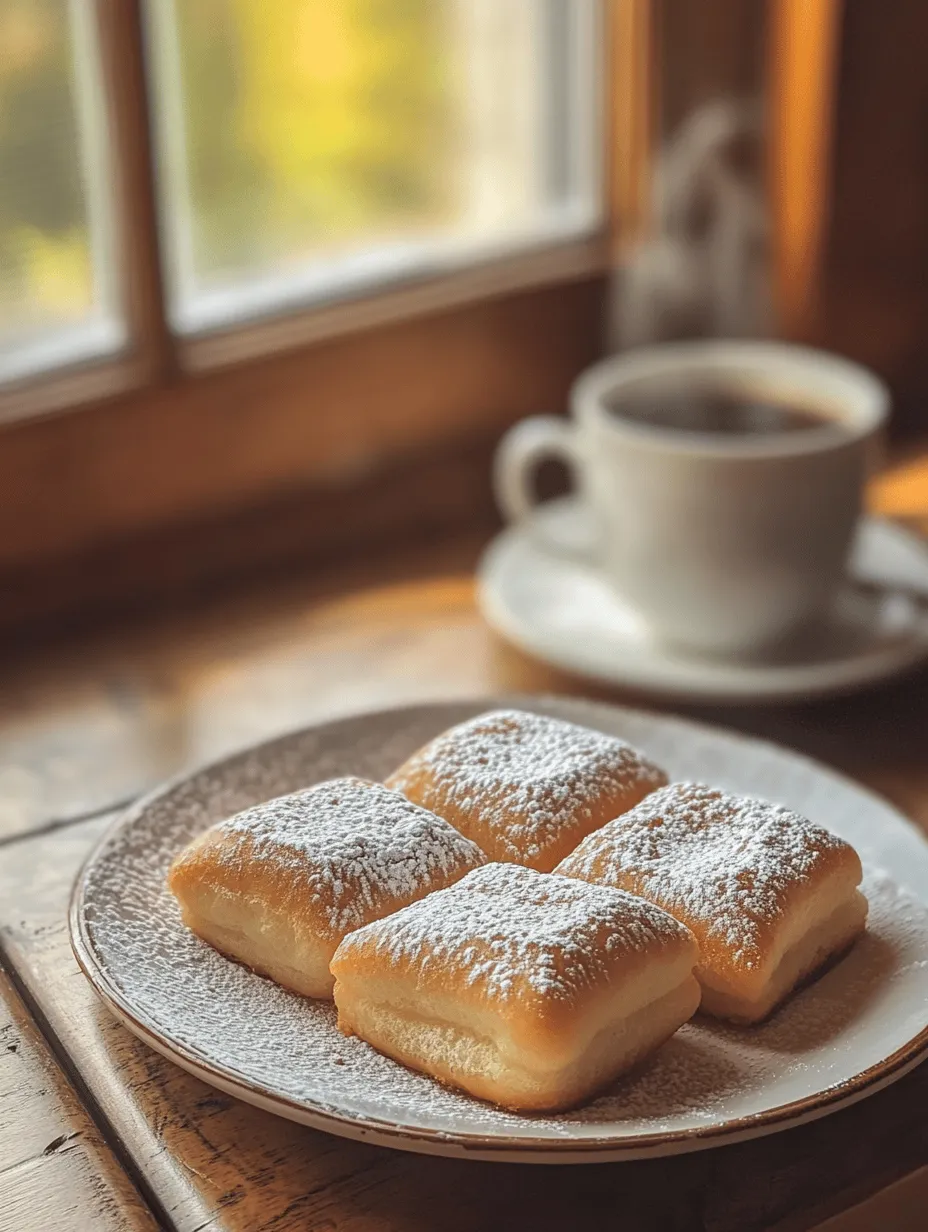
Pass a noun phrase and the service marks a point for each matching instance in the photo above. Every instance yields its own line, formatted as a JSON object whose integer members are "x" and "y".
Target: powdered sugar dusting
{"x": 527, "y": 777}
{"x": 353, "y": 847}
{"x": 869, "y": 1005}
{"x": 518, "y": 933}
{"x": 728, "y": 863}
{"x": 291, "y": 1047}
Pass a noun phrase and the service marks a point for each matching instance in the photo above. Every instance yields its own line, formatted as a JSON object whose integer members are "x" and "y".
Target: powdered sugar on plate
{"x": 262, "y": 1039}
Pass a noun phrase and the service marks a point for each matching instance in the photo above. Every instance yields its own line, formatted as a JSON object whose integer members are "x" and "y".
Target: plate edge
{"x": 756, "y": 1125}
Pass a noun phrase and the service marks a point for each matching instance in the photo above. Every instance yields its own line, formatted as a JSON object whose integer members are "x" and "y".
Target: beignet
{"x": 769, "y": 896}
{"x": 525, "y": 989}
{"x": 278, "y": 885}
{"x": 525, "y": 787}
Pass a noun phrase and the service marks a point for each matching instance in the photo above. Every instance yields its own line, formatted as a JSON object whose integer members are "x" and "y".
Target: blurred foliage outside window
{"x": 53, "y": 264}
{"x": 306, "y": 149}
{"x": 307, "y": 122}
{"x": 322, "y": 142}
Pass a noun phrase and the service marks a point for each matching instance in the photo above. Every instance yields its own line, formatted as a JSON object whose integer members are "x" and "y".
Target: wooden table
{"x": 98, "y": 1132}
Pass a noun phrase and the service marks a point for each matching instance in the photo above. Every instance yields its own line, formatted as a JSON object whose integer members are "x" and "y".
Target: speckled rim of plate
{"x": 487, "y": 1147}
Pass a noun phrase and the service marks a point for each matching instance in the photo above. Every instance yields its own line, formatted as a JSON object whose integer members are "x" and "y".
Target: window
{"x": 312, "y": 150}
{"x": 58, "y": 296}
{"x": 262, "y": 248}
{"x": 304, "y": 153}
{"x": 272, "y": 248}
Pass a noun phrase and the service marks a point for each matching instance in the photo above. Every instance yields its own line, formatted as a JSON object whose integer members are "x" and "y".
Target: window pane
{"x": 311, "y": 148}
{"x": 56, "y": 298}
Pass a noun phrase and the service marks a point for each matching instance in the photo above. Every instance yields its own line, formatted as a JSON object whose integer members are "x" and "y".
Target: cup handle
{"x": 519, "y": 453}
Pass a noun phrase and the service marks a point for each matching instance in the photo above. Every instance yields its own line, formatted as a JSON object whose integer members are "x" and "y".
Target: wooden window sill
{"x": 151, "y": 479}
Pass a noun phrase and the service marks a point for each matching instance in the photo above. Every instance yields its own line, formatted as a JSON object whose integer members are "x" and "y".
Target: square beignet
{"x": 525, "y": 787}
{"x": 769, "y": 896}
{"x": 278, "y": 885}
{"x": 525, "y": 989}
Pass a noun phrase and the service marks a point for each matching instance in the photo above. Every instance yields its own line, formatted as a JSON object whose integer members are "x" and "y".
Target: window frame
{"x": 368, "y": 274}
{"x": 147, "y": 356}
{"x": 119, "y": 455}
{"x": 128, "y": 456}
{"x": 155, "y": 356}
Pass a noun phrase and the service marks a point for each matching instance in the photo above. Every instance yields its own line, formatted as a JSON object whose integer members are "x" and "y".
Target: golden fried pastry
{"x": 279, "y": 885}
{"x": 525, "y": 787}
{"x": 527, "y": 990}
{"x": 769, "y": 896}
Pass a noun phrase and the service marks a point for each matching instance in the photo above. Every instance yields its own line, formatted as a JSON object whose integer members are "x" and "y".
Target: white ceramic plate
{"x": 861, "y": 1026}
{"x": 566, "y": 613}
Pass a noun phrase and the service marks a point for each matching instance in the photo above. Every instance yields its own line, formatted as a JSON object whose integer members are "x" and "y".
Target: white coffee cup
{"x": 723, "y": 544}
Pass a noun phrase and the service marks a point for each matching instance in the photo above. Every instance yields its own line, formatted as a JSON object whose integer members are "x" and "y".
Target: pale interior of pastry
{"x": 804, "y": 951}
{"x": 480, "y": 1057}
{"x": 516, "y": 988}
{"x": 277, "y": 886}
{"x": 769, "y": 896}
{"x": 258, "y": 934}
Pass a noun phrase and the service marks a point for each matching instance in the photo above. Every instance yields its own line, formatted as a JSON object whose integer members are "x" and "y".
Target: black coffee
{"x": 717, "y": 410}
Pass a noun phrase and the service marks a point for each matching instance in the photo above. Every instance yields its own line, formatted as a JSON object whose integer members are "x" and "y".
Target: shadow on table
{"x": 822, "y": 1011}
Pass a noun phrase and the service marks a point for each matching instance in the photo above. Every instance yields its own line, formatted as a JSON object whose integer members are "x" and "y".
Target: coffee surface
{"x": 717, "y": 410}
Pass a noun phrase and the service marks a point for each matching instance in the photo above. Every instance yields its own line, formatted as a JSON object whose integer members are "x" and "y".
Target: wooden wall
{"x": 874, "y": 295}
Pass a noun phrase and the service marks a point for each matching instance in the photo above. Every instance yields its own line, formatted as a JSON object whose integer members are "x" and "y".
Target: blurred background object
{"x": 275, "y": 279}
{"x": 704, "y": 270}
{"x": 315, "y": 150}
{"x": 821, "y": 202}
{"x": 58, "y": 301}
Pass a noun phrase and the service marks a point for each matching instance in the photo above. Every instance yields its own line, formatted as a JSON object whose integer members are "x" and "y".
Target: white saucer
{"x": 567, "y": 614}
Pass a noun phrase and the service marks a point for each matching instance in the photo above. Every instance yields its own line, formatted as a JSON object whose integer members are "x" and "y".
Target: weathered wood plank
{"x": 898, "y": 1208}
{"x": 56, "y": 1172}
{"x": 210, "y": 1159}
{"x": 91, "y": 724}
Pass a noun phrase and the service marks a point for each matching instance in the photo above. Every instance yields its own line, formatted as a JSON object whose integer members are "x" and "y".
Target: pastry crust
{"x": 528, "y": 990}
{"x": 525, "y": 787}
{"x": 769, "y": 896}
{"x": 279, "y": 885}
